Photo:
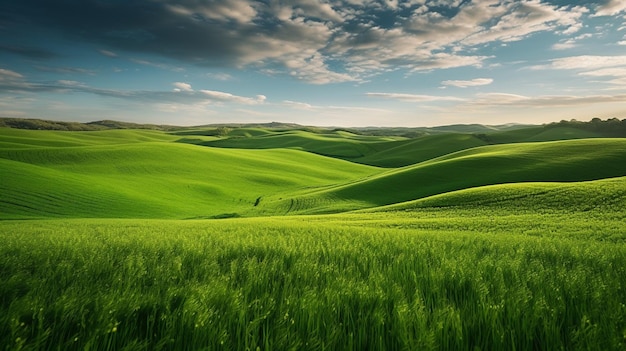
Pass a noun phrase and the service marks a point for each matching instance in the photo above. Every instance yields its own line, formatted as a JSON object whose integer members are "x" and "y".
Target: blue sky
{"x": 328, "y": 63}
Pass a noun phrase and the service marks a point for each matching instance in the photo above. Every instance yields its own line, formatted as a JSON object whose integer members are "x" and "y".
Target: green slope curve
{"x": 156, "y": 179}
{"x": 572, "y": 160}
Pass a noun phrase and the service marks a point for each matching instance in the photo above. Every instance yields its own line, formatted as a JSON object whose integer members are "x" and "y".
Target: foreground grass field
{"x": 463, "y": 278}
{"x": 105, "y": 245}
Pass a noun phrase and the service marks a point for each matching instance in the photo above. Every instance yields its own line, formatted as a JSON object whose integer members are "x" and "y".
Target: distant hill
{"x": 410, "y": 132}
{"x": 42, "y": 124}
{"x": 555, "y": 161}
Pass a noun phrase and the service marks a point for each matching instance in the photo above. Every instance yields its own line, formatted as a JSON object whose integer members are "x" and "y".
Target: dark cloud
{"x": 28, "y": 52}
{"x": 300, "y": 37}
{"x": 144, "y": 26}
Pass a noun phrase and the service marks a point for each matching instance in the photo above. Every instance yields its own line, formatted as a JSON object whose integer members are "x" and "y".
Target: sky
{"x": 346, "y": 63}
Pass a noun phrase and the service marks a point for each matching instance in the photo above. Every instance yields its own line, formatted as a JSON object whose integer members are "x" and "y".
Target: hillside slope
{"x": 605, "y": 196}
{"x": 574, "y": 160}
{"x": 153, "y": 179}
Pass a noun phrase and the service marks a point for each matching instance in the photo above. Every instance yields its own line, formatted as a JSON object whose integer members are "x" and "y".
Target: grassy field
{"x": 107, "y": 241}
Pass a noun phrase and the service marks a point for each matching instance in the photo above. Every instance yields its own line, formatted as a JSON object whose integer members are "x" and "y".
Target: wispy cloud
{"x": 307, "y": 106}
{"x": 505, "y": 99}
{"x": 65, "y": 70}
{"x": 612, "y": 68}
{"x": 107, "y": 53}
{"x": 11, "y": 81}
{"x": 7, "y": 74}
{"x": 180, "y": 86}
{"x": 228, "y": 97}
{"x": 467, "y": 83}
{"x": 28, "y": 52}
{"x": 611, "y": 8}
{"x": 414, "y": 97}
{"x": 158, "y": 65}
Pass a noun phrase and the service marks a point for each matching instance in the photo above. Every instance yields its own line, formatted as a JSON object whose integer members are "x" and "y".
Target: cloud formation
{"x": 14, "y": 82}
{"x": 611, "y": 68}
{"x": 504, "y": 99}
{"x": 467, "y": 83}
{"x": 318, "y": 42}
{"x": 611, "y": 8}
{"x": 413, "y": 97}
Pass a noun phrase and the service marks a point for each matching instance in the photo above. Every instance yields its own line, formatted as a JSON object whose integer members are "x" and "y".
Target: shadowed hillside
{"x": 575, "y": 160}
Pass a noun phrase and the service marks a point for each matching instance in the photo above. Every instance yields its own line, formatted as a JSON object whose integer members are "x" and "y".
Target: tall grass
{"x": 377, "y": 281}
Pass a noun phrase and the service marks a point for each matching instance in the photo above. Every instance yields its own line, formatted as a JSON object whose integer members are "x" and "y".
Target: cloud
{"x": 6, "y": 74}
{"x": 504, "y": 99}
{"x": 570, "y": 42}
{"x": 613, "y": 67}
{"x": 11, "y": 81}
{"x": 611, "y": 8}
{"x": 107, "y": 53}
{"x": 228, "y": 97}
{"x": 157, "y": 65}
{"x": 306, "y": 106}
{"x": 319, "y": 42}
{"x": 182, "y": 87}
{"x": 220, "y": 76}
{"x": 585, "y": 62}
{"x": 413, "y": 97}
{"x": 28, "y": 52}
{"x": 65, "y": 70}
{"x": 468, "y": 83}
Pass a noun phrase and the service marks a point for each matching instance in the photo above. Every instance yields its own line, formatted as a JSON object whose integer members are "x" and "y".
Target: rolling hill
{"x": 148, "y": 179}
{"x": 559, "y": 161}
{"x": 131, "y": 173}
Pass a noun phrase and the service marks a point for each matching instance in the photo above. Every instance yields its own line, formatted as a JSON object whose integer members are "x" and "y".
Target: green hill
{"x": 378, "y": 151}
{"x": 607, "y": 196}
{"x": 150, "y": 179}
{"x": 154, "y": 174}
{"x": 338, "y": 144}
{"x": 19, "y": 138}
{"x": 407, "y": 152}
{"x": 575, "y": 160}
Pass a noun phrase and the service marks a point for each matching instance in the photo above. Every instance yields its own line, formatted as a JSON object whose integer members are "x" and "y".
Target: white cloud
{"x": 180, "y": 86}
{"x": 107, "y": 53}
{"x": 306, "y": 106}
{"x": 468, "y": 83}
{"x": 611, "y": 8}
{"x": 564, "y": 45}
{"x": 504, "y": 99}
{"x": 6, "y": 74}
{"x": 583, "y": 62}
{"x": 228, "y": 97}
{"x": 220, "y": 76}
{"x": 413, "y": 97}
{"x": 298, "y": 105}
{"x": 71, "y": 83}
{"x": 517, "y": 20}
{"x": 237, "y": 10}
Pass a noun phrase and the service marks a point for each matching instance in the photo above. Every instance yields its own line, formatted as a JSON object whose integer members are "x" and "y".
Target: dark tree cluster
{"x": 39, "y": 124}
{"x": 610, "y": 127}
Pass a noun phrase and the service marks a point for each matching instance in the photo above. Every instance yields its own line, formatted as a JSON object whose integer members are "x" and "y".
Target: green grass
{"x": 502, "y": 247}
{"x": 19, "y": 138}
{"x": 154, "y": 179}
{"x": 407, "y": 152}
{"x": 440, "y": 278}
{"x": 573, "y": 160}
{"x": 336, "y": 144}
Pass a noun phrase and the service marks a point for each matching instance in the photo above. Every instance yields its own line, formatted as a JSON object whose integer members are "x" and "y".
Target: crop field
{"x": 260, "y": 239}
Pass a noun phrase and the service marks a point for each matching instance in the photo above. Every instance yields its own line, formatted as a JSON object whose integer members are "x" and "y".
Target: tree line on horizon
{"x": 610, "y": 127}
